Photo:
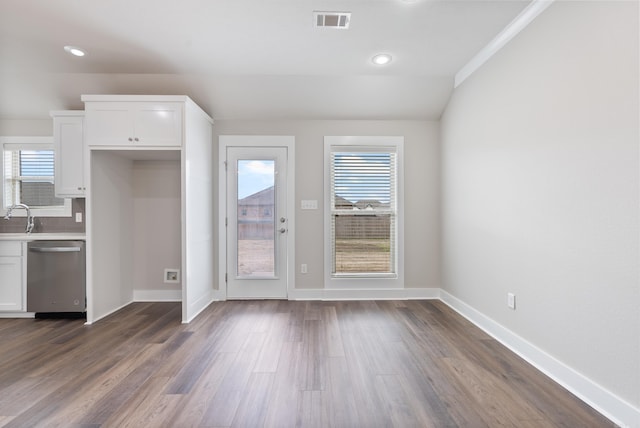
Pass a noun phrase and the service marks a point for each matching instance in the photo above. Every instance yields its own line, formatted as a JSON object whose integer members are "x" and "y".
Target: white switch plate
{"x": 303, "y": 268}
{"x": 309, "y": 204}
{"x": 511, "y": 300}
{"x": 78, "y": 217}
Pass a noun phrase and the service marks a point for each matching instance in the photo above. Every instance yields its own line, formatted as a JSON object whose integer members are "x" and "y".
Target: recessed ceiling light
{"x": 74, "y": 50}
{"x": 381, "y": 59}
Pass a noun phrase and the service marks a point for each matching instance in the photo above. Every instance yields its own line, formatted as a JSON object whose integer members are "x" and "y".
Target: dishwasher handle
{"x": 55, "y": 249}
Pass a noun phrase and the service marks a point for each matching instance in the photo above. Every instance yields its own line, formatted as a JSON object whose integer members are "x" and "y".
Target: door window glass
{"x": 256, "y": 225}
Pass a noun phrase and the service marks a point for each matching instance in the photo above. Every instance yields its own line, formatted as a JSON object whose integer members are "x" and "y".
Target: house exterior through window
{"x": 256, "y": 215}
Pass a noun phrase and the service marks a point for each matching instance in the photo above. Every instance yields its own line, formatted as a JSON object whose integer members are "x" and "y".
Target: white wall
{"x": 541, "y": 186}
{"x": 156, "y": 232}
{"x": 26, "y": 127}
{"x": 421, "y": 150}
{"x": 111, "y": 211}
{"x": 198, "y": 190}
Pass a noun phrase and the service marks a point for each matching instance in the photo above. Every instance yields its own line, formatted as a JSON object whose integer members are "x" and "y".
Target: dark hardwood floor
{"x": 276, "y": 364}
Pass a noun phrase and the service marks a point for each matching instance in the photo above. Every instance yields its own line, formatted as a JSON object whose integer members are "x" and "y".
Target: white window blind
{"x": 363, "y": 186}
{"x": 28, "y": 176}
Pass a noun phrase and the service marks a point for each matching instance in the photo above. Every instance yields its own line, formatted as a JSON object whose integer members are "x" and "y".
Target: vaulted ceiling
{"x": 244, "y": 59}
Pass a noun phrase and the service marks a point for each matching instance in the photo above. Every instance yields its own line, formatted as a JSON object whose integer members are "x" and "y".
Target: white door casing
{"x": 257, "y": 217}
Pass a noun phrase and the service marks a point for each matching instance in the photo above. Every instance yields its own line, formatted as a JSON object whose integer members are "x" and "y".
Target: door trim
{"x": 226, "y": 141}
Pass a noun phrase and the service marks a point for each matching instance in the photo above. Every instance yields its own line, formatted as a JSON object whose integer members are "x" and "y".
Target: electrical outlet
{"x": 303, "y": 268}
{"x": 511, "y": 300}
{"x": 172, "y": 275}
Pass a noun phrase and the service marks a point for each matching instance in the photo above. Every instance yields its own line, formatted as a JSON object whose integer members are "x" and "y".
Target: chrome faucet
{"x": 30, "y": 218}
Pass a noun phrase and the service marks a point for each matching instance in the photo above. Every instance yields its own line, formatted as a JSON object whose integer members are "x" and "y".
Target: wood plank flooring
{"x": 274, "y": 364}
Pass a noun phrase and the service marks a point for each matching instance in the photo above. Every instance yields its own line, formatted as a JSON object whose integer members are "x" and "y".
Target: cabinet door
{"x": 69, "y": 156}
{"x": 11, "y": 284}
{"x": 133, "y": 124}
{"x": 108, "y": 124}
{"x": 158, "y": 124}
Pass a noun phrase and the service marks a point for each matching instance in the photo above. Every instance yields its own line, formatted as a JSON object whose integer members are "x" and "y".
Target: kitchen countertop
{"x": 42, "y": 236}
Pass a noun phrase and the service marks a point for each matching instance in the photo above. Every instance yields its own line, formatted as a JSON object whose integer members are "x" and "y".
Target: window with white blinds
{"x": 363, "y": 191}
{"x": 28, "y": 176}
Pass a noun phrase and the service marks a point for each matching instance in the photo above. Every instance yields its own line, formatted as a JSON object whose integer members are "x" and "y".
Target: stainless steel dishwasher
{"x": 56, "y": 278}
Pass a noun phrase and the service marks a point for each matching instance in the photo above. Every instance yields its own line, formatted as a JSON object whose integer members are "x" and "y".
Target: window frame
{"x": 364, "y": 280}
{"x": 30, "y": 143}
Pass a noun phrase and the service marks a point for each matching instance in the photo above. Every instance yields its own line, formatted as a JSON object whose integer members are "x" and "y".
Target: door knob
{"x": 282, "y": 219}
{"x": 283, "y": 230}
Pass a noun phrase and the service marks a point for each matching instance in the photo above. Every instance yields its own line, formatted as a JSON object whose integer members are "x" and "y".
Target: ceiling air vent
{"x": 338, "y": 20}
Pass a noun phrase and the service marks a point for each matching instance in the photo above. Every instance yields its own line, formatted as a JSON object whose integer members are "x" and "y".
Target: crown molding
{"x": 535, "y": 8}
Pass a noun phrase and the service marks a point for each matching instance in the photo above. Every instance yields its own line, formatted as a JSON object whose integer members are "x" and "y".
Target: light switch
{"x": 78, "y": 217}
{"x": 309, "y": 204}
{"x": 511, "y": 300}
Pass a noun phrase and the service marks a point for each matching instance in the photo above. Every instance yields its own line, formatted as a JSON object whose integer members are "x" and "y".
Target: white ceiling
{"x": 244, "y": 59}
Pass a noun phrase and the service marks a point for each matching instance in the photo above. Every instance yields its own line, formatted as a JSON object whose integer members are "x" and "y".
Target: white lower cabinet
{"x": 12, "y": 278}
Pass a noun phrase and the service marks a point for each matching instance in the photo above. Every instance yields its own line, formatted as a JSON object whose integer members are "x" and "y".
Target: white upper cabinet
{"x": 132, "y": 123}
{"x": 68, "y": 153}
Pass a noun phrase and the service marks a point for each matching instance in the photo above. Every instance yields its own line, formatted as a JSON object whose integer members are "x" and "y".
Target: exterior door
{"x": 257, "y": 223}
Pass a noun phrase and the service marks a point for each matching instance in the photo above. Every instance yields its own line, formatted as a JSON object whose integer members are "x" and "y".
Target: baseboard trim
{"x": 608, "y": 404}
{"x": 157, "y": 295}
{"x": 364, "y": 294}
{"x": 198, "y": 307}
{"x": 98, "y": 318}
{"x": 17, "y": 314}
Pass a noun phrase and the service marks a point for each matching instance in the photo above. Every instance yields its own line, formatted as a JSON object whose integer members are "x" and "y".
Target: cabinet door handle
{"x": 130, "y": 139}
{"x": 135, "y": 139}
